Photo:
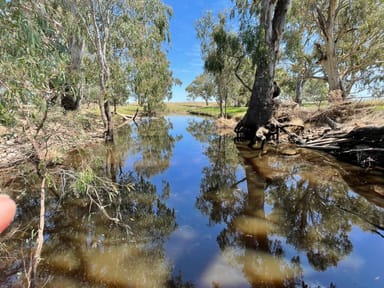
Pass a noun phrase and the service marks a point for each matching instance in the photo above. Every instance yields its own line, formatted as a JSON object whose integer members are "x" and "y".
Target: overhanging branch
{"x": 238, "y": 76}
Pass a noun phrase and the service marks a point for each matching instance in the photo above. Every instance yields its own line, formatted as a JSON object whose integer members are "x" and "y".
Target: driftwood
{"x": 363, "y": 146}
{"x": 352, "y": 131}
{"x": 347, "y": 136}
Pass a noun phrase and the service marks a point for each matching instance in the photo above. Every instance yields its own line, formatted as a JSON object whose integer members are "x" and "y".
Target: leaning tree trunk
{"x": 260, "y": 107}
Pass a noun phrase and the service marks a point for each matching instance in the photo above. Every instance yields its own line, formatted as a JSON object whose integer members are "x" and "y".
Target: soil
{"x": 348, "y": 116}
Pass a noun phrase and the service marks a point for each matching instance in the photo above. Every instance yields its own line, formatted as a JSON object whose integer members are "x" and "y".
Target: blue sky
{"x": 184, "y": 52}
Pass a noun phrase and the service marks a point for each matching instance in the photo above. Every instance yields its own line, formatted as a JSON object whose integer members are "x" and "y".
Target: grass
{"x": 129, "y": 109}
{"x": 213, "y": 110}
{"x": 378, "y": 104}
{"x": 199, "y": 108}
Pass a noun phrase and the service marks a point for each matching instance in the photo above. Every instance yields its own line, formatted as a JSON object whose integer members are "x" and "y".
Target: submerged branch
{"x": 32, "y": 271}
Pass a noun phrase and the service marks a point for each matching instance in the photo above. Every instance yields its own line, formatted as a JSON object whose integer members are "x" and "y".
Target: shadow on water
{"x": 195, "y": 210}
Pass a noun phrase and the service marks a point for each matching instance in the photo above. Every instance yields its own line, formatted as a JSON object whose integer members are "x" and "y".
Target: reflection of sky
{"x": 193, "y": 250}
{"x": 194, "y": 242}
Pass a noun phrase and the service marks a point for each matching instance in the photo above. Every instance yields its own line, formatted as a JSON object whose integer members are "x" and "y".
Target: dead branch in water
{"x": 36, "y": 257}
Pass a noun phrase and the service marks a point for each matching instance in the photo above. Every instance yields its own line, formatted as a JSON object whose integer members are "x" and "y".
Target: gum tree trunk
{"x": 261, "y": 105}
{"x": 101, "y": 35}
{"x": 329, "y": 59}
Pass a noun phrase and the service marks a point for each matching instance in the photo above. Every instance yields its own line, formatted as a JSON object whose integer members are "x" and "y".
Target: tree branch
{"x": 238, "y": 76}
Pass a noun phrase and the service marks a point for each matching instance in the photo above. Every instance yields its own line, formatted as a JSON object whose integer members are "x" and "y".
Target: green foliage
{"x": 7, "y": 116}
{"x": 152, "y": 81}
{"x": 315, "y": 91}
{"x": 138, "y": 38}
{"x": 32, "y": 52}
{"x": 84, "y": 180}
{"x": 357, "y": 36}
{"x": 203, "y": 86}
{"x": 42, "y": 44}
{"x": 224, "y": 62}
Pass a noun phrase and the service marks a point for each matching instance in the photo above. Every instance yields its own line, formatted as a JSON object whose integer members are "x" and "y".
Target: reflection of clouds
{"x": 262, "y": 267}
{"x": 223, "y": 271}
{"x": 239, "y": 268}
{"x": 185, "y": 232}
{"x": 183, "y": 241}
{"x": 353, "y": 262}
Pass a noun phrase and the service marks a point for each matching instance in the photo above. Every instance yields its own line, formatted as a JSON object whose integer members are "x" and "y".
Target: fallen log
{"x": 128, "y": 117}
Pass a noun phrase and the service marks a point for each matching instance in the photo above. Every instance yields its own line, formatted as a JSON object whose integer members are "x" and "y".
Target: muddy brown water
{"x": 198, "y": 211}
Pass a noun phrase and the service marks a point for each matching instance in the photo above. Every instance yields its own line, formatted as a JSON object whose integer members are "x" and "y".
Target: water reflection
{"x": 314, "y": 213}
{"x": 155, "y": 144}
{"x": 218, "y": 196}
{"x": 197, "y": 211}
{"x": 243, "y": 213}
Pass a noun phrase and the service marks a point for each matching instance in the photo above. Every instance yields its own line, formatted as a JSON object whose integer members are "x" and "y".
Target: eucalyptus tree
{"x": 202, "y": 86}
{"x": 261, "y": 27}
{"x": 223, "y": 59}
{"x": 98, "y": 19}
{"x": 34, "y": 49}
{"x": 117, "y": 32}
{"x": 346, "y": 39}
{"x": 216, "y": 61}
{"x": 297, "y": 64}
{"x": 152, "y": 79}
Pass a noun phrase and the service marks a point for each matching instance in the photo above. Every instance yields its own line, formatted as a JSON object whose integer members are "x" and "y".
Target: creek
{"x": 197, "y": 211}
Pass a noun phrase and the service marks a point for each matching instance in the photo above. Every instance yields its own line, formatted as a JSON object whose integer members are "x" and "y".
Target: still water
{"x": 197, "y": 211}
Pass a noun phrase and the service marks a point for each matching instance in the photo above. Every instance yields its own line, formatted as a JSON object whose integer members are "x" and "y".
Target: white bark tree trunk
{"x": 100, "y": 40}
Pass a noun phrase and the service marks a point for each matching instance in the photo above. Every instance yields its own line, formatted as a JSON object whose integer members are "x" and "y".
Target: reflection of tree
{"x": 312, "y": 221}
{"x": 87, "y": 252}
{"x": 218, "y": 194}
{"x": 202, "y": 130}
{"x": 223, "y": 202}
{"x": 155, "y": 145}
{"x": 177, "y": 282}
{"x": 315, "y": 214}
{"x": 262, "y": 261}
{"x": 82, "y": 246}
{"x": 156, "y": 220}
